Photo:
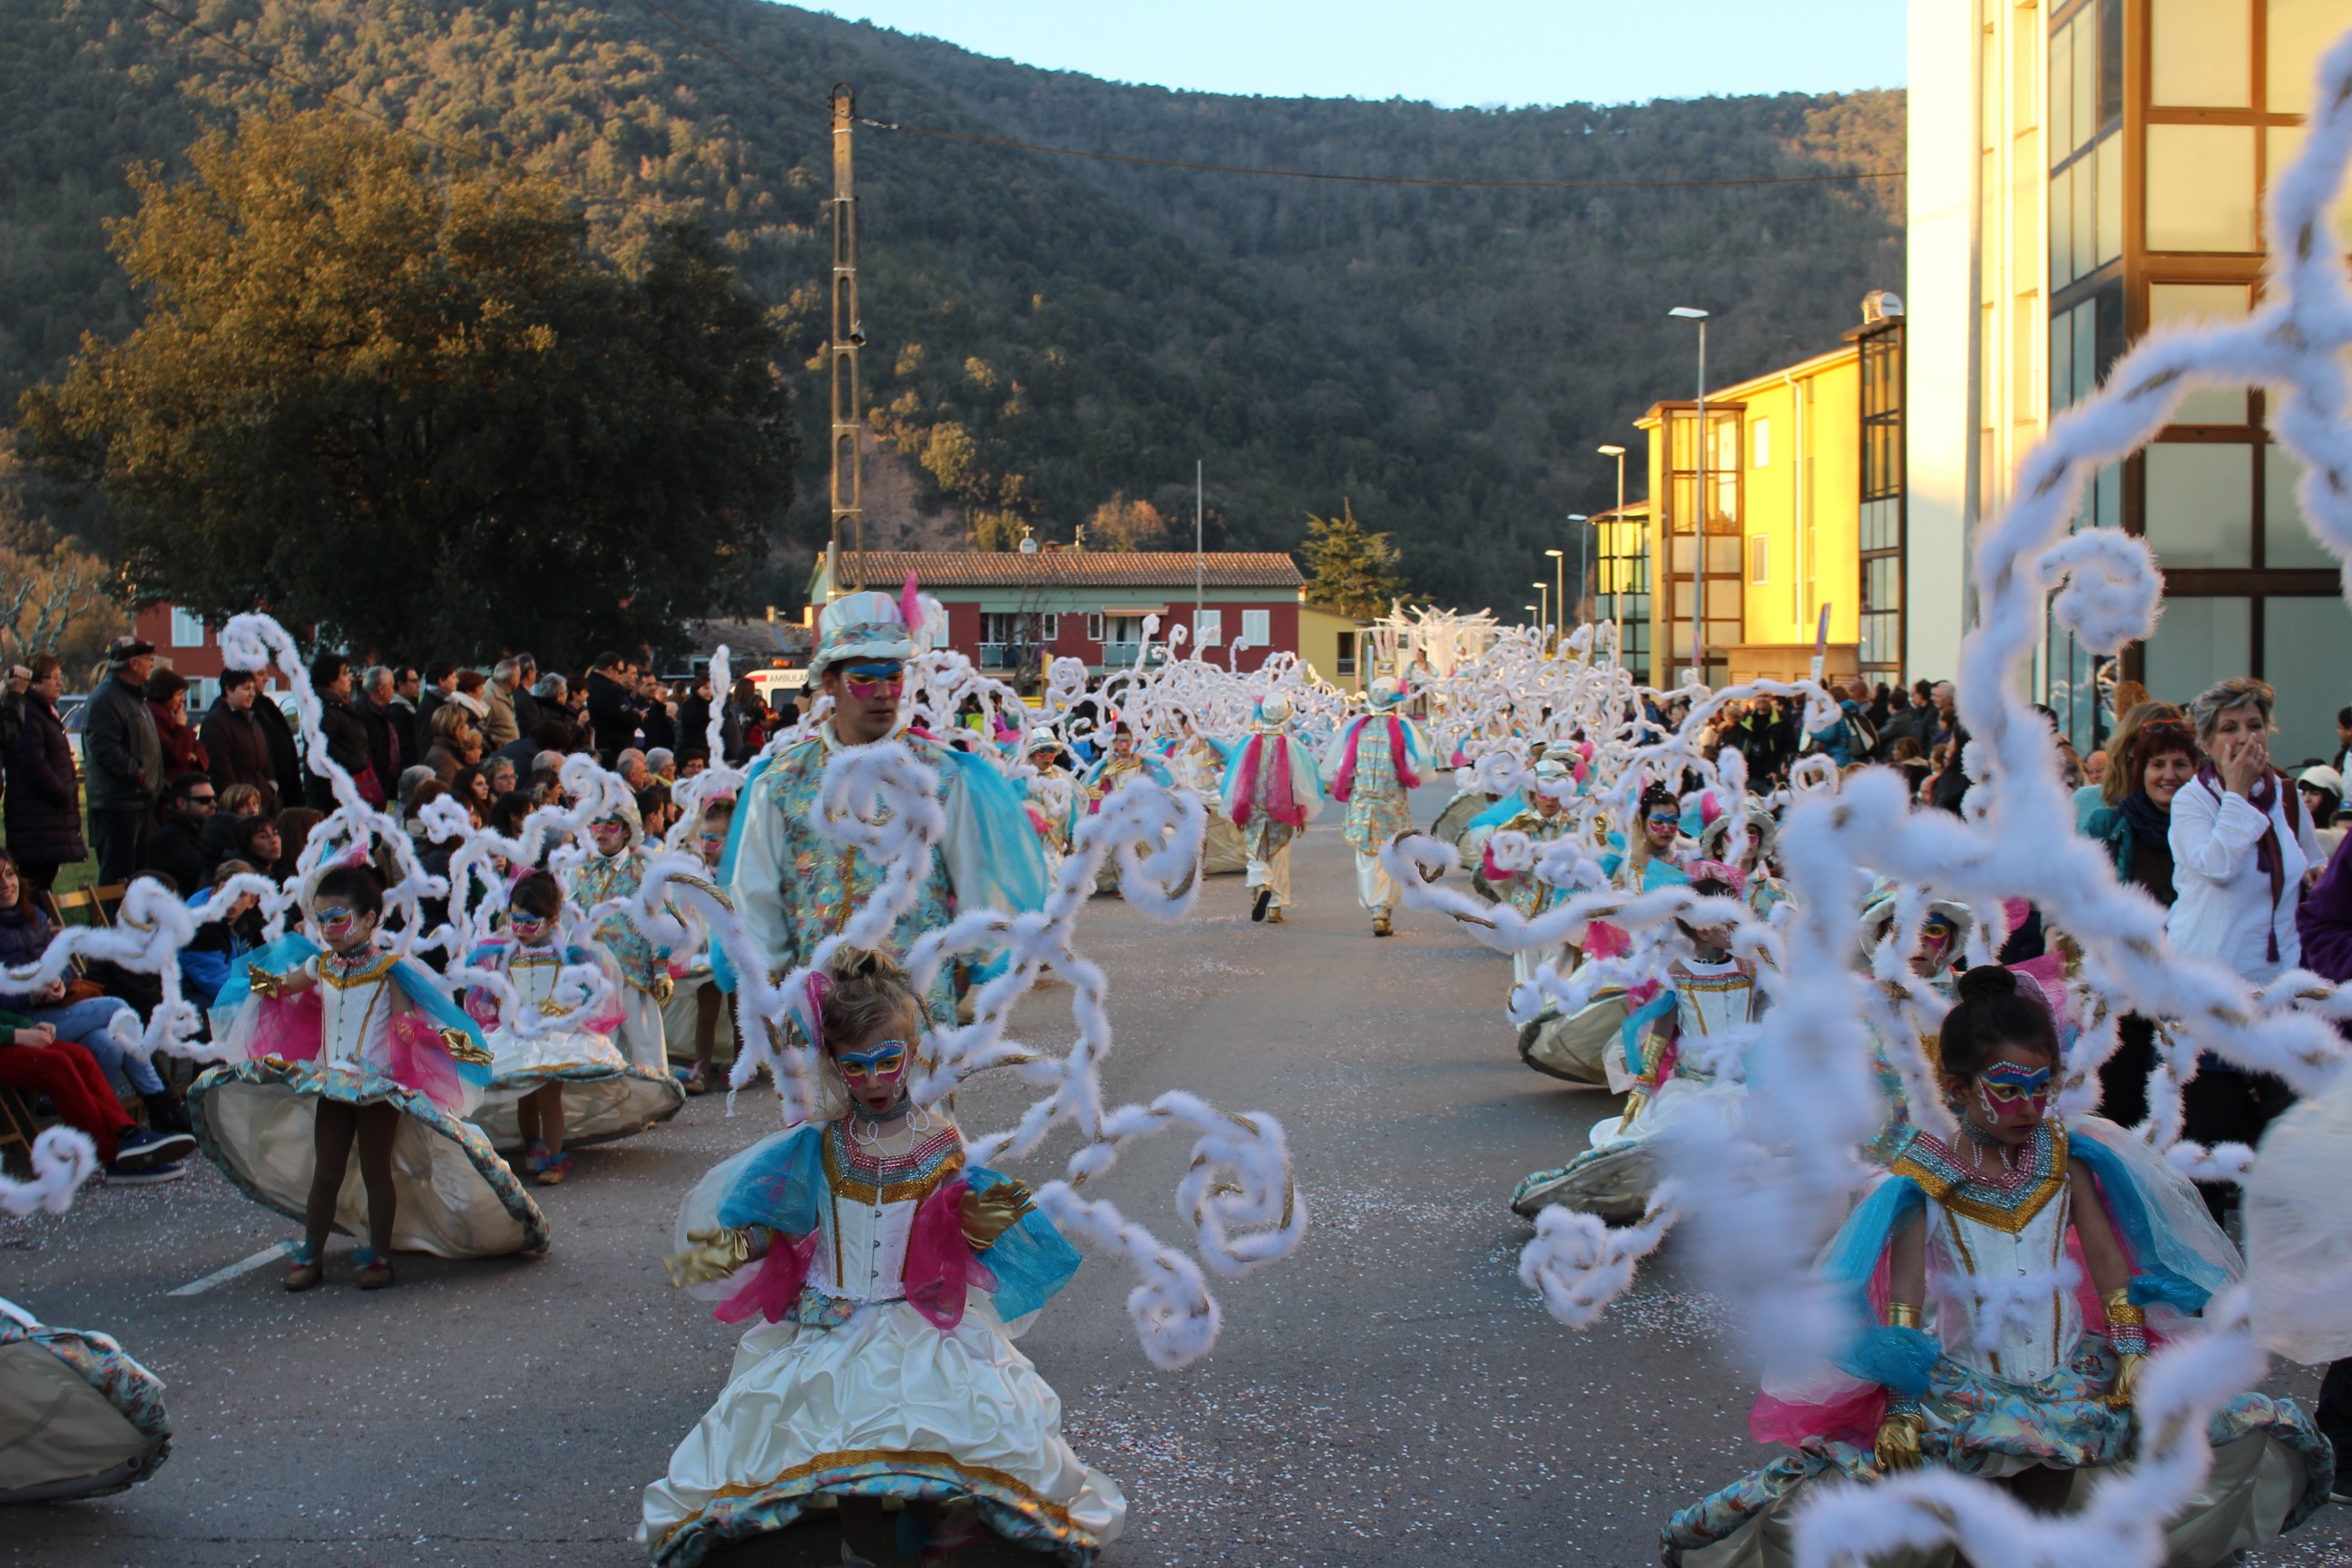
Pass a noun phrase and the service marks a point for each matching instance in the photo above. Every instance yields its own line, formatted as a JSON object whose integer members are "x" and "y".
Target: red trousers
{"x": 70, "y": 1077}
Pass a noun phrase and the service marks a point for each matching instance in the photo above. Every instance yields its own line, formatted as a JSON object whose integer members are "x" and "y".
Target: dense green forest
{"x": 1048, "y": 333}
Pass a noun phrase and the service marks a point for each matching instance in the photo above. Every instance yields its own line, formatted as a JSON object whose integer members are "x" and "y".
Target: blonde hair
{"x": 2238, "y": 691}
{"x": 868, "y": 991}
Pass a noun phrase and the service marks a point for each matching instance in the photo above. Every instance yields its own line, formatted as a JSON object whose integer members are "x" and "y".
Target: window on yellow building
{"x": 2200, "y": 187}
{"x": 2202, "y": 54}
{"x": 2170, "y": 304}
{"x": 1760, "y": 560}
{"x": 2295, "y": 34}
{"x": 1763, "y": 443}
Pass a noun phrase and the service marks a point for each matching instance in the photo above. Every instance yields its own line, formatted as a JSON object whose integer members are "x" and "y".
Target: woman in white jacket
{"x": 2243, "y": 853}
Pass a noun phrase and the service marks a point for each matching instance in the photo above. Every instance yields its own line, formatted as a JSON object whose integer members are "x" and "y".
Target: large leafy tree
{"x": 1349, "y": 568}
{"x": 400, "y": 400}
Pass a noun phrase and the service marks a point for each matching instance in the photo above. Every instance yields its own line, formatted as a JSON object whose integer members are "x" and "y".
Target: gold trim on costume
{"x": 2013, "y": 1221}
{"x": 845, "y": 1186}
{"x": 904, "y": 1460}
{"x": 367, "y": 976}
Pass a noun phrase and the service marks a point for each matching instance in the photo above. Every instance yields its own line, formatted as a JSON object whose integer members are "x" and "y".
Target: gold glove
{"x": 989, "y": 1215}
{"x": 1896, "y": 1447}
{"x": 263, "y": 982}
{"x": 662, "y": 990}
{"x": 462, "y": 1048}
{"x": 2127, "y": 1388}
{"x": 715, "y": 1255}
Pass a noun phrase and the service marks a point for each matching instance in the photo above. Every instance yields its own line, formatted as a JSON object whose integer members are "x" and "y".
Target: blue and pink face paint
{"x": 2013, "y": 1096}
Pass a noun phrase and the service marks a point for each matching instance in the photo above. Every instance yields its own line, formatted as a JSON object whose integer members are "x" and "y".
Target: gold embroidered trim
{"x": 2012, "y": 1221}
{"x": 367, "y": 976}
{"x": 845, "y": 1186}
{"x": 1056, "y": 1514}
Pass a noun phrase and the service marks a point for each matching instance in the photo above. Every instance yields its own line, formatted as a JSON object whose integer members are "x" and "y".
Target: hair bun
{"x": 1987, "y": 981}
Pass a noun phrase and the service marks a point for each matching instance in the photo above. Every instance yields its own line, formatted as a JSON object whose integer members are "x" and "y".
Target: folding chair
{"x": 18, "y": 1128}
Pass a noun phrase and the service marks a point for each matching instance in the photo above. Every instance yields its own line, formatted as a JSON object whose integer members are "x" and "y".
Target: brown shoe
{"x": 375, "y": 1272}
{"x": 303, "y": 1276}
{"x": 1380, "y": 926}
{"x": 1273, "y": 917}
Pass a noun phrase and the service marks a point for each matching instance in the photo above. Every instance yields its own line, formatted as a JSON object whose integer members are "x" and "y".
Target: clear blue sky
{"x": 1468, "y": 52}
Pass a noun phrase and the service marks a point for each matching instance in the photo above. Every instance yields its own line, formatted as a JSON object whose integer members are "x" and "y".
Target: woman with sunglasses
{"x": 877, "y": 1270}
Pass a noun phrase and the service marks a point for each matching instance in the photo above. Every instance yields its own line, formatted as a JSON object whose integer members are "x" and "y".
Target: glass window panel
{"x": 2086, "y": 94}
{"x": 2108, "y": 332}
{"x": 2299, "y": 32}
{"x": 2170, "y": 304}
{"x": 2201, "y": 53}
{"x": 2107, "y": 497}
{"x": 2086, "y": 359}
{"x": 2111, "y": 61}
{"x": 2108, "y": 179}
{"x": 2284, "y": 141}
{"x": 2287, "y": 540}
{"x": 2061, "y": 92}
{"x": 2200, "y": 187}
{"x": 2062, "y": 225}
{"x": 2197, "y": 642}
{"x": 2310, "y": 689}
{"x": 2084, "y": 223}
{"x": 2062, "y": 360}
{"x": 2199, "y": 509}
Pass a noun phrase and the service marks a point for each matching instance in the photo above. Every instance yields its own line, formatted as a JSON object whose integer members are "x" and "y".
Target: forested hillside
{"x": 1048, "y": 333}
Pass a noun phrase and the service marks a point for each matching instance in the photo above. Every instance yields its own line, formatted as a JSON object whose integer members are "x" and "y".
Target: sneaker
{"x": 145, "y": 1145}
{"x": 1380, "y": 926}
{"x": 121, "y": 1176}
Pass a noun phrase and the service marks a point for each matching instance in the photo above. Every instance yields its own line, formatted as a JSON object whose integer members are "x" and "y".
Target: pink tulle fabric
{"x": 288, "y": 1028}
{"x": 1488, "y": 869}
{"x": 1851, "y": 1414}
{"x": 1344, "y": 787}
{"x": 775, "y": 1285}
{"x": 939, "y": 1265}
{"x": 416, "y": 1060}
{"x": 1283, "y": 805}
{"x": 1603, "y": 940}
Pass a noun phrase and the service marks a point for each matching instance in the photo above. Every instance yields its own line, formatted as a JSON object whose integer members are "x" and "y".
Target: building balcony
{"x": 996, "y": 656}
{"x": 1120, "y": 655}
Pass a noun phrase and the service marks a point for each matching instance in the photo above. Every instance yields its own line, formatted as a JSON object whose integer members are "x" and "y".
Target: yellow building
{"x": 2090, "y": 170}
{"x": 1804, "y": 484}
{"x": 1327, "y": 644}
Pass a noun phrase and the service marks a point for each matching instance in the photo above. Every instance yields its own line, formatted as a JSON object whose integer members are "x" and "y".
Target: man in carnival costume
{"x": 1270, "y": 793}
{"x": 1374, "y": 781}
{"x": 1197, "y": 762}
{"x": 1123, "y": 761}
{"x": 613, "y": 871}
{"x": 792, "y": 886}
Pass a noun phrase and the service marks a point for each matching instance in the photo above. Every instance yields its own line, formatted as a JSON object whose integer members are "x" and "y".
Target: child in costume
{"x": 1648, "y": 863}
{"x": 1544, "y": 819}
{"x": 560, "y": 1081}
{"x": 1270, "y": 793}
{"x": 351, "y": 1043}
{"x": 1943, "y": 932}
{"x": 2003, "y": 1294}
{"x": 1373, "y": 764}
{"x": 696, "y": 1012}
{"x": 879, "y": 1273}
{"x": 616, "y": 869}
{"x": 1670, "y": 1076}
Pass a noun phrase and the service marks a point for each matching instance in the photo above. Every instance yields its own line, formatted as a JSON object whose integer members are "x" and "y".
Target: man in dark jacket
{"x": 285, "y": 755}
{"x": 527, "y": 716}
{"x": 387, "y": 751}
{"x": 177, "y": 847}
{"x": 123, "y": 760}
{"x": 611, "y": 707}
{"x": 43, "y": 811}
{"x": 346, "y": 733}
{"x": 234, "y": 739}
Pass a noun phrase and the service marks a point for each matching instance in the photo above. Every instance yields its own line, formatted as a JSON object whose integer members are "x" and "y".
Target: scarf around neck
{"x": 2150, "y": 823}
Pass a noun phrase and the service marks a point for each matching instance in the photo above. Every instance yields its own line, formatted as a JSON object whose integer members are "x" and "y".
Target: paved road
{"x": 1390, "y": 1396}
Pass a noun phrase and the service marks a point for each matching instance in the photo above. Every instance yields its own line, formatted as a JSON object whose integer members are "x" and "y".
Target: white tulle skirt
{"x": 886, "y": 1406}
{"x": 604, "y": 1096}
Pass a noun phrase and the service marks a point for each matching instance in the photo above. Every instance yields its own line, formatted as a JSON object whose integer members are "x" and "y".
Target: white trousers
{"x": 1375, "y": 888}
{"x": 1526, "y": 961}
{"x": 640, "y": 1035}
{"x": 1274, "y": 873}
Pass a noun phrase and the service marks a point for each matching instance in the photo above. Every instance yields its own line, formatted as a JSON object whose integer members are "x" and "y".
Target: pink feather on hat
{"x": 911, "y": 608}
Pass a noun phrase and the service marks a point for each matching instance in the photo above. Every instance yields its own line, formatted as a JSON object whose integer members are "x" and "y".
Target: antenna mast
{"x": 847, "y": 332}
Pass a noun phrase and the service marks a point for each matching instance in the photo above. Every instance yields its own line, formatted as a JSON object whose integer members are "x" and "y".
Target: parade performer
{"x": 696, "y": 1012}
{"x": 1270, "y": 792}
{"x": 615, "y": 869}
{"x": 1708, "y": 823}
{"x": 81, "y": 1418}
{"x": 1050, "y": 796}
{"x": 352, "y": 1044}
{"x": 1650, "y": 863}
{"x": 2002, "y": 1293}
{"x": 879, "y": 1272}
{"x": 1943, "y": 933}
{"x": 1372, "y": 781}
{"x": 1544, "y": 819}
{"x": 564, "y": 1084}
{"x": 792, "y": 886}
{"x": 1672, "y": 1075}
{"x": 1198, "y": 764}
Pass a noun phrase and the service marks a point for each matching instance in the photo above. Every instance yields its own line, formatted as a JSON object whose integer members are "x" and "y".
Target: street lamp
{"x": 1532, "y": 614}
{"x": 1583, "y": 577}
{"x": 1698, "y": 535}
{"x": 1617, "y": 594}
{"x": 1543, "y": 595}
{"x": 1560, "y": 571}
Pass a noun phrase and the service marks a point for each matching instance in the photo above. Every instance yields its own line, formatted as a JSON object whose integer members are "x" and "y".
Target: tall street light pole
{"x": 1583, "y": 574}
{"x": 1617, "y": 593}
{"x": 1543, "y": 595}
{"x": 1698, "y": 535}
{"x": 1559, "y": 598}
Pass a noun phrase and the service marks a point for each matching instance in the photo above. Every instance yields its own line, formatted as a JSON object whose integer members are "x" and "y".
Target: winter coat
{"x": 612, "y": 714}
{"x": 184, "y": 752}
{"x": 44, "y": 805}
{"x": 176, "y": 848}
{"x": 285, "y": 758}
{"x": 693, "y": 725}
{"x": 238, "y": 748}
{"x": 222, "y": 834}
{"x": 123, "y": 756}
{"x": 498, "y": 725}
{"x": 388, "y": 750}
{"x": 529, "y": 716}
{"x": 347, "y": 746}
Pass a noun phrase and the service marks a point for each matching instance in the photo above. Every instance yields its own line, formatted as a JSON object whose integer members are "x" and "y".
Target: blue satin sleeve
{"x": 1031, "y": 1261}
{"x": 1004, "y": 850}
{"x": 2166, "y": 1272}
{"x": 283, "y": 956}
{"x": 781, "y": 1189}
{"x": 1502, "y": 811}
{"x": 1897, "y": 1360}
{"x": 722, "y": 973}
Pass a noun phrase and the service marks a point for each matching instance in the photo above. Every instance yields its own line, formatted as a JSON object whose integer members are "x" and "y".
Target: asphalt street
{"x": 1390, "y": 1395}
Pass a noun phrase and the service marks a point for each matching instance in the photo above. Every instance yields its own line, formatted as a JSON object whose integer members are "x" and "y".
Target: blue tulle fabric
{"x": 2164, "y": 1271}
{"x": 283, "y": 956}
{"x": 1897, "y": 1360}
{"x": 1031, "y": 1261}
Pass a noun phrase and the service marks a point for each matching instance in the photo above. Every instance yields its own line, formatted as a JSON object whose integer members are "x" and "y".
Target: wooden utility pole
{"x": 847, "y": 334}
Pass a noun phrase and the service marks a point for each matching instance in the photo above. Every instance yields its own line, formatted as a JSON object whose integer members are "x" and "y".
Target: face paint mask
{"x": 335, "y": 922}
{"x": 526, "y": 929}
{"x": 868, "y": 681}
{"x": 878, "y": 1068}
{"x": 2012, "y": 1095}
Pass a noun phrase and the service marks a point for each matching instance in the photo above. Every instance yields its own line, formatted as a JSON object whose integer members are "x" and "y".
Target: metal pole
{"x": 1560, "y": 596}
{"x": 847, "y": 331}
{"x": 1699, "y": 542}
{"x": 1200, "y": 561}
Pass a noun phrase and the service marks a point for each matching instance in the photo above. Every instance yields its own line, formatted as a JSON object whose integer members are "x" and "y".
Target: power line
{"x": 755, "y": 72}
{"x": 337, "y": 98}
